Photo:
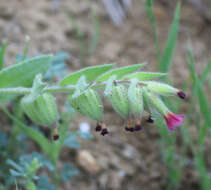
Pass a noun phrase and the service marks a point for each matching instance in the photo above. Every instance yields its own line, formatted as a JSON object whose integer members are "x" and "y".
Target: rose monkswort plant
{"x": 126, "y": 92}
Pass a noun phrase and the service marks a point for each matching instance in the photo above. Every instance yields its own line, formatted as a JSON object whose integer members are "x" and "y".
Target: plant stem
{"x": 53, "y": 89}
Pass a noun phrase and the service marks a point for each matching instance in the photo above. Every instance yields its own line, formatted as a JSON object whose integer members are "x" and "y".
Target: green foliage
{"x": 120, "y": 72}
{"x": 91, "y": 73}
{"x": 23, "y": 73}
{"x": 167, "y": 55}
{"x": 2, "y": 52}
{"x": 151, "y": 16}
{"x": 144, "y": 75}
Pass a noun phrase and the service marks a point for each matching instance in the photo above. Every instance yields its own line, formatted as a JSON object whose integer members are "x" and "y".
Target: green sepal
{"x": 156, "y": 102}
{"x": 135, "y": 98}
{"x": 42, "y": 110}
{"x": 88, "y": 103}
{"x": 119, "y": 100}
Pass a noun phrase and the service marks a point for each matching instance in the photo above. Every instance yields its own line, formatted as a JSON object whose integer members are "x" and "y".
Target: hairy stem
{"x": 53, "y": 89}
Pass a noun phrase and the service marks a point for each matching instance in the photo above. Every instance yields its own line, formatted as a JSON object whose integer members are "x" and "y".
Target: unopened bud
{"x": 161, "y": 88}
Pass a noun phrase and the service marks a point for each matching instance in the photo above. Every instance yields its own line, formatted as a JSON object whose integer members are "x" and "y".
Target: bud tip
{"x": 181, "y": 94}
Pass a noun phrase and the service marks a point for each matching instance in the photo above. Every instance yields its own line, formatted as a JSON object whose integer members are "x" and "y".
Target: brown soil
{"x": 126, "y": 161}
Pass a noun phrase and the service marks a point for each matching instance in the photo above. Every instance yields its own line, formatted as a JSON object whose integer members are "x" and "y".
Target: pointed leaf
{"x": 23, "y": 73}
{"x": 15, "y": 165}
{"x": 120, "y": 72}
{"x": 167, "y": 55}
{"x": 91, "y": 73}
{"x": 2, "y": 52}
{"x": 144, "y": 75}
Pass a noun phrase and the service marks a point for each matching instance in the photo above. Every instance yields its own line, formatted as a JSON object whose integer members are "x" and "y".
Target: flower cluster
{"x": 129, "y": 101}
{"x": 129, "y": 98}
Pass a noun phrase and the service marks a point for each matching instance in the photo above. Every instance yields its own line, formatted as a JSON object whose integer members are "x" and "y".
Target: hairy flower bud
{"x": 119, "y": 100}
{"x": 172, "y": 120}
{"x": 88, "y": 104}
{"x": 41, "y": 110}
{"x": 161, "y": 88}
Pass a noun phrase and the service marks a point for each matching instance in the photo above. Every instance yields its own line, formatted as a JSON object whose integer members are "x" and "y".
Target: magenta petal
{"x": 173, "y": 120}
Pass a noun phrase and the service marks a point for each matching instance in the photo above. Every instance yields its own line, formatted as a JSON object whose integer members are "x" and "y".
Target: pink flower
{"x": 173, "y": 120}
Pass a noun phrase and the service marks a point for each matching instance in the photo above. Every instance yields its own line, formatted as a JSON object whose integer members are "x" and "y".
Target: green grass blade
{"x": 167, "y": 55}
{"x": 203, "y": 103}
{"x": 151, "y": 16}
{"x": 206, "y": 72}
{"x": 95, "y": 37}
{"x": 2, "y": 52}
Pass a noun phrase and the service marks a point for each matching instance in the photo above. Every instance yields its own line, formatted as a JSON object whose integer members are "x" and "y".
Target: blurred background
{"x": 96, "y": 32}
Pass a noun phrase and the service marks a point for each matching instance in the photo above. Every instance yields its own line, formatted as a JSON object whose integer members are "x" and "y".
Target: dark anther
{"x": 55, "y": 137}
{"x": 104, "y": 132}
{"x": 137, "y": 128}
{"x": 181, "y": 94}
{"x": 150, "y": 120}
{"x": 131, "y": 129}
{"x": 98, "y": 128}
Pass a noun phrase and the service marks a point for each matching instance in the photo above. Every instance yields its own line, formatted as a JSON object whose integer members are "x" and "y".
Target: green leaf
{"x": 15, "y": 165}
{"x": 2, "y": 52}
{"x": 167, "y": 55}
{"x": 149, "y": 10}
{"x": 206, "y": 72}
{"x": 144, "y": 75}
{"x": 15, "y": 173}
{"x": 95, "y": 37}
{"x": 203, "y": 103}
{"x": 91, "y": 73}
{"x": 32, "y": 133}
{"x": 120, "y": 72}
{"x": 23, "y": 73}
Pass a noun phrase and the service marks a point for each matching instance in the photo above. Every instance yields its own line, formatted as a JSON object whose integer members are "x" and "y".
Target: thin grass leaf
{"x": 167, "y": 55}
{"x": 206, "y": 72}
{"x": 2, "y": 52}
{"x": 95, "y": 37}
{"x": 198, "y": 89}
{"x": 203, "y": 103}
{"x": 151, "y": 16}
